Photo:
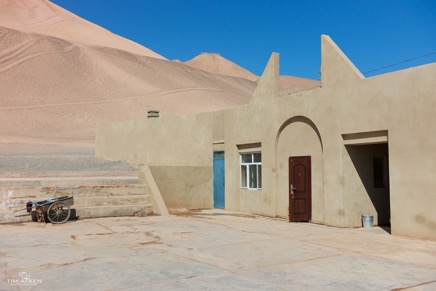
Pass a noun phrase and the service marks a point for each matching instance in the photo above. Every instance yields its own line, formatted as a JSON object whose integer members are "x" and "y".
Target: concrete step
{"x": 87, "y": 212}
{"x": 93, "y": 195}
{"x": 100, "y": 188}
{"x": 9, "y": 217}
{"x": 66, "y": 181}
{"x": 64, "y": 174}
{"x": 112, "y": 201}
{"x": 16, "y": 204}
{"x": 33, "y": 193}
{"x": 114, "y": 211}
{"x": 89, "y": 200}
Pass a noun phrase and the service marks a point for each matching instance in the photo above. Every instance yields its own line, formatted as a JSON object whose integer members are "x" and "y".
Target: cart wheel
{"x": 58, "y": 212}
{"x": 34, "y": 216}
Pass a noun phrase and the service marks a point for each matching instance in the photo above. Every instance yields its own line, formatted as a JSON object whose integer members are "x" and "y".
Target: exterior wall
{"x": 178, "y": 150}
{"x": 402, "y": 103}
{"x": 186, "y": 187}
{"x": 165, "y": 141}
{"x": 412, "y": 147}
{"x": 314, "y": 123}
{"x": 246, "y": 133}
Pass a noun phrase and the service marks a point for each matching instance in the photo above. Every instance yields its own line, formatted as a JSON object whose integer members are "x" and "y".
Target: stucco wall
{"x": 238, "y": 133}
{"x": 165, "y": 141}
{"x": 401, "y": 103}
{"x": 178, "y": 150}
{"x": 412, "y": 147}
{"x": 187, "y": 187}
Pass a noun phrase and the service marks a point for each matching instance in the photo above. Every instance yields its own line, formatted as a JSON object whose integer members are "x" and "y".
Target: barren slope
{"x": 291, "y": 84}
{"x": 61, "y": 75}
{"x": 214, "y": 63}
{"x": 45, "y": 17}
{"x": 55, "y": 90}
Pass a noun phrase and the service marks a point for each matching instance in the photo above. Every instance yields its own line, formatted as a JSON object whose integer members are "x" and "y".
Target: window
{"x": 251, "y": 170}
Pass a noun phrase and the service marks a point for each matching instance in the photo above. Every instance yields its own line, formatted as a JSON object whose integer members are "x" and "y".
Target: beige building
{"x": 353, "y": 146}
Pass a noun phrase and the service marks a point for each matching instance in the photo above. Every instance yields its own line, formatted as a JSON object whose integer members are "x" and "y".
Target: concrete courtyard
{"x": 210, "y": 250}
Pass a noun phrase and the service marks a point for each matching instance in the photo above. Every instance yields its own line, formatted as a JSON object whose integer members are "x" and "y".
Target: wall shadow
{"x": 374, "y": 177}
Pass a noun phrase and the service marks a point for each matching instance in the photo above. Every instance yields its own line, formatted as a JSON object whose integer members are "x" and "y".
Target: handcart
{"x": 56, "y": 210}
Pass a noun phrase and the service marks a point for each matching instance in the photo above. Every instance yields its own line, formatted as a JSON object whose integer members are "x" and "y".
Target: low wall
{"x": 188, "y": 187}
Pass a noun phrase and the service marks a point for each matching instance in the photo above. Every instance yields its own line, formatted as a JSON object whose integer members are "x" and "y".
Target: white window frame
{"x": 251, "y": 167}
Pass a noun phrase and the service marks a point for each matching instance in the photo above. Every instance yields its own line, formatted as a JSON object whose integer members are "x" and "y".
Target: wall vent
{"x": 152, "y": 113}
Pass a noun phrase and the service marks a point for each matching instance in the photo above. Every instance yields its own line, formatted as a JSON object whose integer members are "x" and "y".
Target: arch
{"x": 298, "y": 118}
{"x": 299, "y": 136}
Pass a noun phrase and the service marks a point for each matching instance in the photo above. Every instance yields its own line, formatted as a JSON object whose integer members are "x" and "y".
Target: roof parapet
{"x": 335, "y": 65}
{"x": 268, "y": 85}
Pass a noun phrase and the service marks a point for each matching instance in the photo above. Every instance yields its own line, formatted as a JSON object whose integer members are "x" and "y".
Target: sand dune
{"x": 291, "y": 84}
{"x": 214, "y": 63}
{"x": 54, "y": 89}
{"x": 61, "y": 76}
{"x": 45, "y": 17}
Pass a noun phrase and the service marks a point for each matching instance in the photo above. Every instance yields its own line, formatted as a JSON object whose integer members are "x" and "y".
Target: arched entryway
{"x": 298, "y": 139}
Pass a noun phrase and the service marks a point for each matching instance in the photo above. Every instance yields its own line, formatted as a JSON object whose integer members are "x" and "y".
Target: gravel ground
{"x": 42, "y": 158}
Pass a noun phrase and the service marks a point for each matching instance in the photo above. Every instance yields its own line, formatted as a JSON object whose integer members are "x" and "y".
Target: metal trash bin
{"x": 367, "y": 221}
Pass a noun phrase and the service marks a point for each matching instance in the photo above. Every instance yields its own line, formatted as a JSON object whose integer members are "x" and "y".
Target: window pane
{"x": 251, "y": 170}
{"x": 253, "y": 176}
{"x": 246, "y": 158}
{"x": 257, "y": 158}
{"x": 244, "y": 176}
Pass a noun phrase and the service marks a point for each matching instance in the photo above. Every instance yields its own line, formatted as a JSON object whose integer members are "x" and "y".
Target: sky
{"x": 373, "y": 34}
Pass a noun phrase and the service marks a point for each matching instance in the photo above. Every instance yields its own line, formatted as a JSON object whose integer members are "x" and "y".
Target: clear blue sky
{"x": 371, "y": 33}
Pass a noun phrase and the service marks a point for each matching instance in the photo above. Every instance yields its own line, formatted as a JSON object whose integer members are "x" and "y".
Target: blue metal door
{"x": 218, "y": 180}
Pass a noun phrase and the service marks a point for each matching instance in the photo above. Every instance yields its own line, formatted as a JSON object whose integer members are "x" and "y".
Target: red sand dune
{"x": 44, "y": 17}
{"x": 61, "y": 76}
{"x": 214, "y": 63}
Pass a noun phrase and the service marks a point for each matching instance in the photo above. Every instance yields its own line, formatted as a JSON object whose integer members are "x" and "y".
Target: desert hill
{"x": 54, "y": 90}
{"x": 45, "y": 17}
{"x": 61, "y": 76}
{"x": 214, "y": 63}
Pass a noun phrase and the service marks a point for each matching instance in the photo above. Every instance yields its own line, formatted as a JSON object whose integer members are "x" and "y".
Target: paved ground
{"x": 210, "y": 250}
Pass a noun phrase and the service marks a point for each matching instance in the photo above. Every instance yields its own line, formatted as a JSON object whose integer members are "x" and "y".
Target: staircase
{"x": 100, "y": 188}
{"x": 102, "y": 196}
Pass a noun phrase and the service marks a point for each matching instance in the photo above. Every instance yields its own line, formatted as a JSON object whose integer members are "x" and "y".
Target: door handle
{"x": 292, "y": 191}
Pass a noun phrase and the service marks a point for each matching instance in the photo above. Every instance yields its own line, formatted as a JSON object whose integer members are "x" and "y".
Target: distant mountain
{"x": 56, "y": 91}
{"x": 214, "y": 63}
{"x": 45, "y": 17}
{"x": 61, "y": 76}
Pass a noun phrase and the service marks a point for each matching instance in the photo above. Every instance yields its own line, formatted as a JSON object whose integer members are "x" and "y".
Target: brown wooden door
{"x": 300, "y": 189}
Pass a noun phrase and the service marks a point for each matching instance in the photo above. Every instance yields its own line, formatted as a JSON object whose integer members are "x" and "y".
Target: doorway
{"x": 300, "y": 189}
{"x": 218, "y": 180}
{"x": 367, "y": 181}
